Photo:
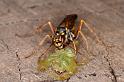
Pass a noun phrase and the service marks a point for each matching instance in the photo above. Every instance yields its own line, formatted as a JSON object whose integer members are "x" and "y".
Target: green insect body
{"x": 62, "y": 64}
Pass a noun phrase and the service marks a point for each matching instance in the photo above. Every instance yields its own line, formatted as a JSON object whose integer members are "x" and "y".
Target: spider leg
{"x": 81, "y": 33}
{"x": 83, "y": 36}
{"x": 91, "y": 30}
{"x": 42, "y": 41}
{"x": 75, "y": 48}
{"x": 52, "y": 27}
{"x": 40, "y": 44}
{"x": 38, "y": 30}
{"x": 45, "y": 51}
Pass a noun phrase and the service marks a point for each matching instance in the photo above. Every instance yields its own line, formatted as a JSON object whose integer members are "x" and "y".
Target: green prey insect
{"x": 60, "y": 65}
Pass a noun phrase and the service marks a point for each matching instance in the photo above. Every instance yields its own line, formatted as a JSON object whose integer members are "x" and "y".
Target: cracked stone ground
{"x": 22, "y": 16}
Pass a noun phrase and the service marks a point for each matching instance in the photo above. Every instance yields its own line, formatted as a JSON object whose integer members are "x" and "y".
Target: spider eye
{"x": 62, "y": 33}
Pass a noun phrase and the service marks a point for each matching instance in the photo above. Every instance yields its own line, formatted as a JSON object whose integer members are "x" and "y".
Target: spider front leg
{"x": 81, "y": 33}
{"x": 91, "y": 30}
{"x": 75, "y": 48}
{"x": 38, "y": 30}
{"x": 39, "y": 44}
{"x": 52, "y": 28}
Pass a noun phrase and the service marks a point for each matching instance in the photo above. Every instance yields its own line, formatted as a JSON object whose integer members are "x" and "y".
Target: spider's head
{"x": 59, "y": 38}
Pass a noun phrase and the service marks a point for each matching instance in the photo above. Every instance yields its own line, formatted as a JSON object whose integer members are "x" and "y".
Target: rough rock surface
{"x": 22, "y": 16}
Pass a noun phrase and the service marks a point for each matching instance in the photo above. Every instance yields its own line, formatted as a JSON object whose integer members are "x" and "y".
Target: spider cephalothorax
{"x": 62, "y": 37}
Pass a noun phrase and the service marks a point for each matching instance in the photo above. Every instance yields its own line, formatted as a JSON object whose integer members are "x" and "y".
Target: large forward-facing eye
{"x": 62, "y": 33}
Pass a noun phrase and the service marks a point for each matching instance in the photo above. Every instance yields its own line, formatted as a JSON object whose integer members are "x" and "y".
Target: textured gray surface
{"x": 21, "y": 16}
